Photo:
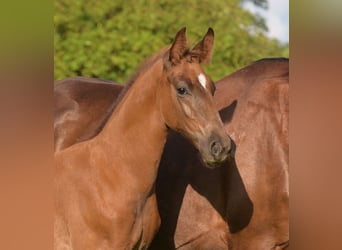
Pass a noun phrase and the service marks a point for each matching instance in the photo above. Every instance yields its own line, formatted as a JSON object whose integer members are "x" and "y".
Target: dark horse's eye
{"x": 182, "y": 91}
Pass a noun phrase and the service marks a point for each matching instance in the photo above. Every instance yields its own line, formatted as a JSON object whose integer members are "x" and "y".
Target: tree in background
{"x": 108, "y": 39}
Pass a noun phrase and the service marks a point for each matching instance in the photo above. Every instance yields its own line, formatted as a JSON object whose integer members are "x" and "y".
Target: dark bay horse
{"x": 105, "y": 187}
{"x": 243, "y": 204}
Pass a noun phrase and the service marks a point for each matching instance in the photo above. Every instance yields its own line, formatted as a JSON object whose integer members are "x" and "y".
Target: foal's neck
{"x": 136, "y": 132}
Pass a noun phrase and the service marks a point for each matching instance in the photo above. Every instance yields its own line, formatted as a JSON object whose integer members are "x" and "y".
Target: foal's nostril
{"x": 216, "y": 148}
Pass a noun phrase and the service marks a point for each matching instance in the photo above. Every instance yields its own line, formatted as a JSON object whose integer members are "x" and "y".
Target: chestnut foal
{"x": 237, "y": 206}
{"x": 105, "y": 187}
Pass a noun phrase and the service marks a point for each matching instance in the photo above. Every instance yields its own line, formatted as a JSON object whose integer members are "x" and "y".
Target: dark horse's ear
{"x": 179, "y": 47}
{"x": 203, "y": 50}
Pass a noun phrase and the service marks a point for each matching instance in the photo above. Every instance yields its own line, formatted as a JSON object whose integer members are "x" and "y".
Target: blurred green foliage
{"x": 108, "y": 39}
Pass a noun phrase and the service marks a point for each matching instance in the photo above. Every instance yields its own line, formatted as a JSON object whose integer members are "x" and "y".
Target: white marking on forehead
{"x": 202, "y": 80}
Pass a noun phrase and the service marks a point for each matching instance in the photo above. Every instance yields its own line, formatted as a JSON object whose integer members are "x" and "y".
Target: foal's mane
{"x": 140, "y": 69}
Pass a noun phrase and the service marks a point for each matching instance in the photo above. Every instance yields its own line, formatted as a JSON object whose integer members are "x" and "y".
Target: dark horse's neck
{"x": 136, "y": 133}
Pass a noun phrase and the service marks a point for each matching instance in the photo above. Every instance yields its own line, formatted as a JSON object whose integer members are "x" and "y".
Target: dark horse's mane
{"x": 140, "y": 69}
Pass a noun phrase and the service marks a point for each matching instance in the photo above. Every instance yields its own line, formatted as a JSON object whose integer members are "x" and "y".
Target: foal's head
{"x": 187, "y": 98}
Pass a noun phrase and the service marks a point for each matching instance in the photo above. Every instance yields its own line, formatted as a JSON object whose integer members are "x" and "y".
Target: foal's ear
{"x": 179, "y": 47}
{"x": 203, "y": 50}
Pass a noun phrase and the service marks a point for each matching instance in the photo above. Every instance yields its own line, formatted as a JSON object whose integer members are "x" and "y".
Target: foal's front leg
{"x": 150, "y": 220}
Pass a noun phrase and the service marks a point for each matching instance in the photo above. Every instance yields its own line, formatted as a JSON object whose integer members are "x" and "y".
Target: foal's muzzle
{"x": 219, "y": 151}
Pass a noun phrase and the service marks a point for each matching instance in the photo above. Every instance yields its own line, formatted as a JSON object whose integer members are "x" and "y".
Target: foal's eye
{"x": 182, "y": 91}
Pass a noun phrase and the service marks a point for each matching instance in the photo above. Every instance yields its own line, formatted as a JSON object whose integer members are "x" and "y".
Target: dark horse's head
{"x": 187, "y": 101}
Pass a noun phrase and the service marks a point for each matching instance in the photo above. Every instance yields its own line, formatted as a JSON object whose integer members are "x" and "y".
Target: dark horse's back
{"x": 244, "y": 204}
{"x": 82, "y": 105}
